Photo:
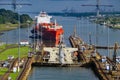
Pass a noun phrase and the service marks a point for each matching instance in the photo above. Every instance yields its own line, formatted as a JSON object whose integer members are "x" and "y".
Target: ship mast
{"x": 55, "y": 23}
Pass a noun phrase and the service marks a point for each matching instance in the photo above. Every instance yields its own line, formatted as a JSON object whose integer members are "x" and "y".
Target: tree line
{"x": 8, "y": 16}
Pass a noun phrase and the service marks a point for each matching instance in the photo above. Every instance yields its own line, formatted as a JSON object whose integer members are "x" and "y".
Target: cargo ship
{"x": 48, "y": 31}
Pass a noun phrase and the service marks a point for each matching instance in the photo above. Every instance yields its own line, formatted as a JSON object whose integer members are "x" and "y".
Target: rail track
{"x": 26, "y": 67}
{"x": 6, "y": 75}
{"x": 99, "y": 70}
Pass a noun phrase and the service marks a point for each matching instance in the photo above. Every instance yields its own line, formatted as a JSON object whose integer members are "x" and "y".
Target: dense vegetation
{"x": 113, "y": 19}
{"x": 8, "y": 16}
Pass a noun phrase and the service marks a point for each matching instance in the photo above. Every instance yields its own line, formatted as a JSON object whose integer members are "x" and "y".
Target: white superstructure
{"x": 42, "y": 18}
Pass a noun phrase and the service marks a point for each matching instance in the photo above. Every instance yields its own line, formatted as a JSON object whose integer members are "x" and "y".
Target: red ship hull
{"x": 50, "y": 36}
{"x": 50, "y": 32}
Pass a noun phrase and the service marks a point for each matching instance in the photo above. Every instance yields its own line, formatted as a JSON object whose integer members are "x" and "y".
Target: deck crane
{"x": 14, "y": 4}
{"x": 97, "y": 7}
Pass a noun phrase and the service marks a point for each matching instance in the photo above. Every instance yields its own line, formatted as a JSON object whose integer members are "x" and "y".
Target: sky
{"x": 59, "y": 5}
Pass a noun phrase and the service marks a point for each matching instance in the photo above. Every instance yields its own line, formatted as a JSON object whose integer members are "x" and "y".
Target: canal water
{"x": 61, "y": 73}
{"x": 100, "y": 35}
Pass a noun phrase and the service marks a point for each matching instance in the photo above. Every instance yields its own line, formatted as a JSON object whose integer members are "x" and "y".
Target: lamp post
{"x": 28, "y": 24}
{"x": 41, "y": 36}
{"x": 90, "y": 39}
{"x": 18, "y": 38}
{"x": 34, "y": 46}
